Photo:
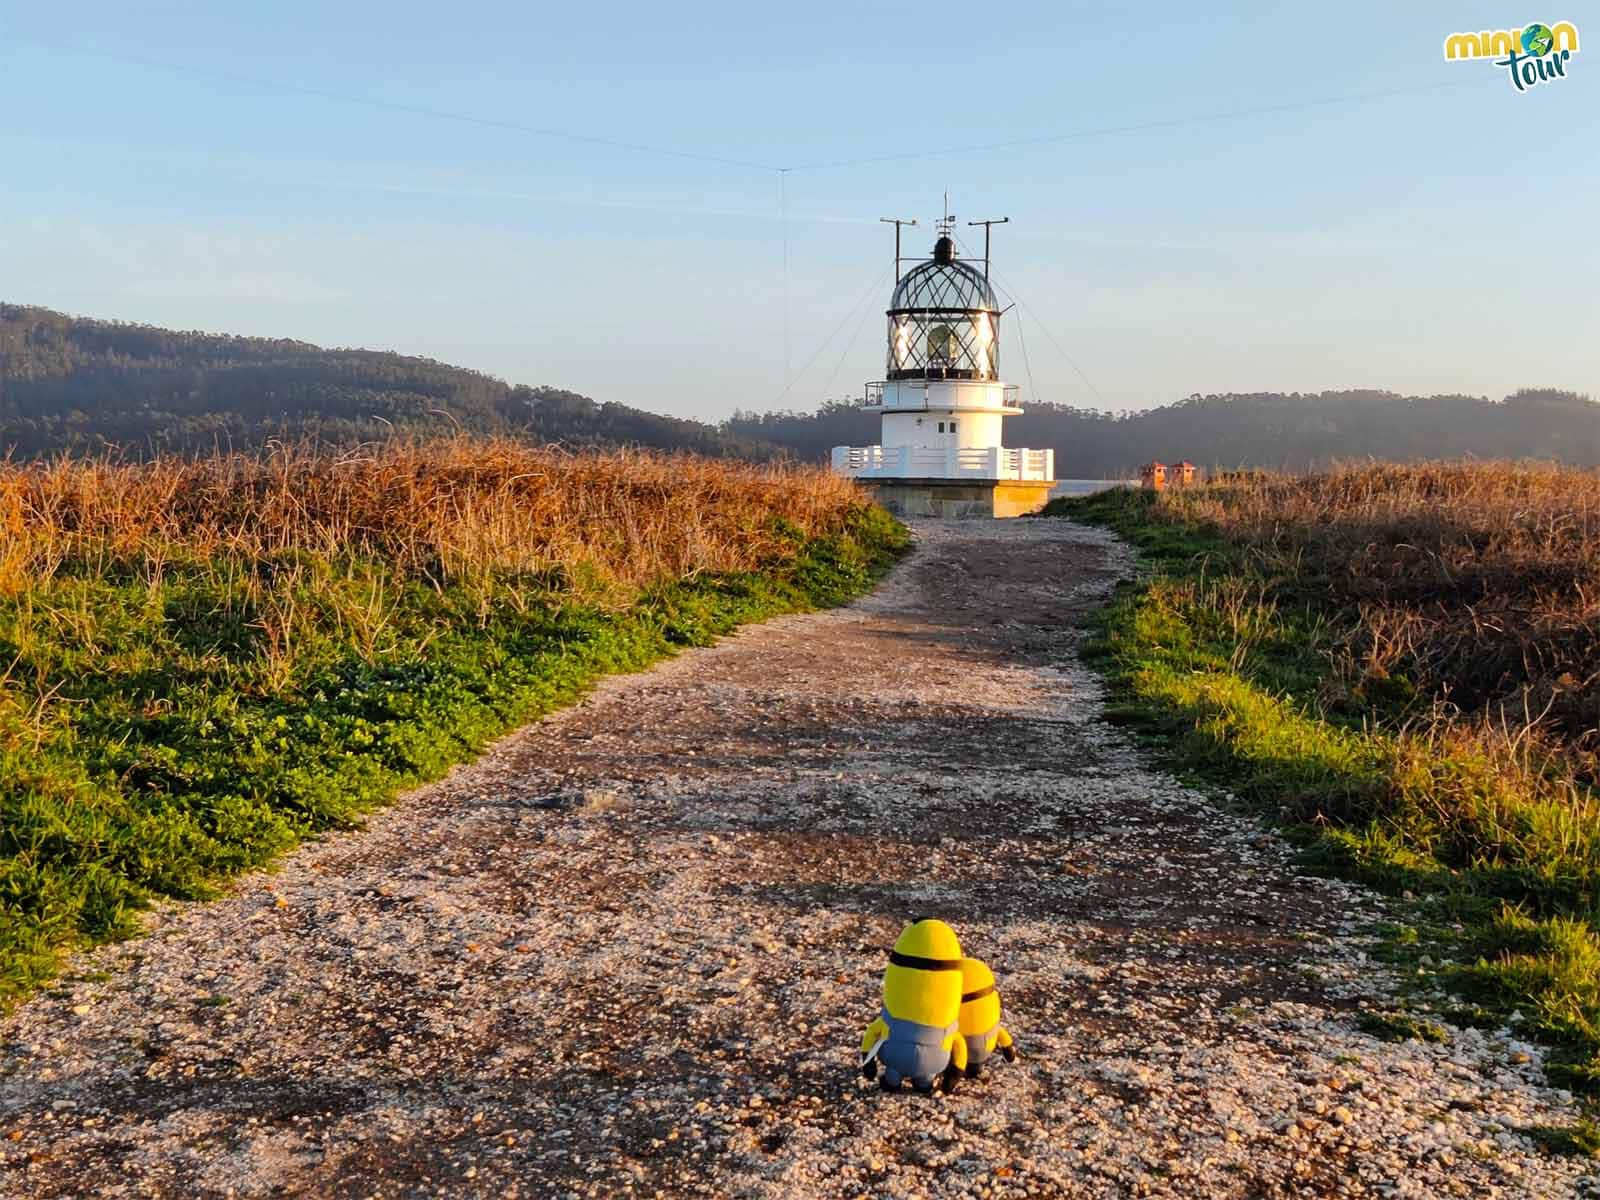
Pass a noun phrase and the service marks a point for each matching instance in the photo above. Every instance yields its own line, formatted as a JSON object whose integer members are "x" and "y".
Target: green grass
{"x": 1581, "y": 1139}
{"x": 171, "y": 735}
{"x": 1401, "y": 1027}
{"x": 1231, "y": 667}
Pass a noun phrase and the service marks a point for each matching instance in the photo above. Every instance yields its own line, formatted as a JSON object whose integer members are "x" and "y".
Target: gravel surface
{"x": 631, "y": 950}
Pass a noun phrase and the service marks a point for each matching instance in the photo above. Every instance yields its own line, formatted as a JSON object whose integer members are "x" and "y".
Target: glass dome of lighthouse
{"x": 944, "y": 321}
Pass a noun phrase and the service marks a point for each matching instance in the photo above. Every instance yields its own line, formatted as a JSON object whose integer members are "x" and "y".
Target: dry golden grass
{"x": 435, "y": 509}
{"x": 1404, "y": 660}
{"x": 202, "y": 662}
{"x": 1479, "y": 583}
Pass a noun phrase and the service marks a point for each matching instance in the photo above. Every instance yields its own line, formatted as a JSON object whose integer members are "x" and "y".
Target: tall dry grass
{"x": 202, "y": 662}
{"x": 435, "y": 509}
{"x": 1479, "y": 583}
{"x": 1405, "y": 661}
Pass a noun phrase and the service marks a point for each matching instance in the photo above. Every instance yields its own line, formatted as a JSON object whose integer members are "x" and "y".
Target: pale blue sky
{"x": 1438, "y": 240}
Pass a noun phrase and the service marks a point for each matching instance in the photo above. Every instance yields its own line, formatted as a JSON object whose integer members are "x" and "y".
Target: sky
{"x": 1202, "y": 198}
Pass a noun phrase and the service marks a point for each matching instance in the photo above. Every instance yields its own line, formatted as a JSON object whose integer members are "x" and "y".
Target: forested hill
{"x": 1266, "y": 429}
{"x": 69, "y": 384}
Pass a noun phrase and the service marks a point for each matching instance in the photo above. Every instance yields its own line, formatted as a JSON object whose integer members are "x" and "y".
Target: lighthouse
{"x": 941, "y": 448}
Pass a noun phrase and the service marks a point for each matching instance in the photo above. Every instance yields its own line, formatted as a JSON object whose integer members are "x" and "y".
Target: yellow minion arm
{"x": 1004, "y": 1039}
{"x": 875, "y": 1033}
{"x": 958, "y": 1051}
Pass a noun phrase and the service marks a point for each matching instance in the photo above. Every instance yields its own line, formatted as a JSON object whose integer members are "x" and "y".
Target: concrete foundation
{"x": 952, "y": 498}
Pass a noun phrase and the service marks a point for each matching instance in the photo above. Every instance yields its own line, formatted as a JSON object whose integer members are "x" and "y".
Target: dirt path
{"x": 630, "y": 952}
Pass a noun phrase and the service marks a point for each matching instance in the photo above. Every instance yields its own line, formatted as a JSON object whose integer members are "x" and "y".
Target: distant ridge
{"x": 1294, "y": 431}
{"x": 70, "y": 384}
{"x": 74, "y": 385}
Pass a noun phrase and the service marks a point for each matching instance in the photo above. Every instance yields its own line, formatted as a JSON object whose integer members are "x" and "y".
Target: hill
{"x": 1295, "y": 431}
{"x": 77, "y": 385}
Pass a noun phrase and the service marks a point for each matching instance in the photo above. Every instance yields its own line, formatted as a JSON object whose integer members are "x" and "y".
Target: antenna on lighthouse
{"x": 987, "y": 227}
{"x": 897, "y": 222}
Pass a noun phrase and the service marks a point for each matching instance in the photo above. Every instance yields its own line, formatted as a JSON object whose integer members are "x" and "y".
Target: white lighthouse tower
{"x": 941, "y": 450}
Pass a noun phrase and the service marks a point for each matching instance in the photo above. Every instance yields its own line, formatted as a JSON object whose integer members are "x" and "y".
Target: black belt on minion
{"x": 923, "y": 964}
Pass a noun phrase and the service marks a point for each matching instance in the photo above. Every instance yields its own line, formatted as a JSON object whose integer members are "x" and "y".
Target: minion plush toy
{"x": 917, "y": 1036}
{"x": 980, "y": 1018}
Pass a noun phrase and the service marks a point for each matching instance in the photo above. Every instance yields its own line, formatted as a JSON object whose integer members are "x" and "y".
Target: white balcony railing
{"x": 935, "y": 462}
{"x": 912, "y": 394}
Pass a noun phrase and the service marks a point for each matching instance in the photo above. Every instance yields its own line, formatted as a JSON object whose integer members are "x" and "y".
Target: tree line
{"x": 81, "y": 386}
{"x": 76, "y": 386}
{"x": 1294, "y": 431}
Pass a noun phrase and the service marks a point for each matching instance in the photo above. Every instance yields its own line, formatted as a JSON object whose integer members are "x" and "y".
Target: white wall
{"x": 944, "y": 393}
{"x": 972, "y": 429}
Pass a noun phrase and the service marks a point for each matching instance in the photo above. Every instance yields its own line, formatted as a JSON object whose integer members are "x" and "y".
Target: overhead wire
{"x": 378, "y": 102}
{"x": 854, "y": 337}
{"x": 1022, "y": 340}
{"x": 1071, "y": 362}
{"x": 440, "y": 114}
{"x": 1139, "y": 127}
{"x": 727, "y": 160}
{"x": 1027, "y": 308}
{"x": 783, "y": 221}
{"x": 877, "y": 282}
{"x": 782, "y": 172}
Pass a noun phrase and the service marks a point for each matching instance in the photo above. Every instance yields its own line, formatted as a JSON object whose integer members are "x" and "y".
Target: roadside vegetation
{"x": 1403, "y": 664}
{"x": 204, "y": 662}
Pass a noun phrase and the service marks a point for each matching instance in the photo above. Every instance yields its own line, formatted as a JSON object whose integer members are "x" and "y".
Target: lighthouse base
{"x": 967, "y": 498}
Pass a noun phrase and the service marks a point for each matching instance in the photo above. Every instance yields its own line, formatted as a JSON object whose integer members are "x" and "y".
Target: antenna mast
{"x": 897, "y": 222}
{"x": 987, "y": 228}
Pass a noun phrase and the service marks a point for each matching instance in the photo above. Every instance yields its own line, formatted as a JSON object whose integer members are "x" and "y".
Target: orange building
{"x": 1153, "y": 476}
{"x": 1183, "y": 474}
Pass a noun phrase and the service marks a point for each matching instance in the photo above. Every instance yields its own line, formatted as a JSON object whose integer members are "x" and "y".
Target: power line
{"x": 1071, "y": 362}
{"x": 1023, "y": 304}
{"x": 781, "y": 171}
{"x": 416, "y": 110}
{"x": 1022, "y": 340}
{"x": 1141, "y": 127}
{"x": 851, "y": 344}
{"x": 783, "y": 220}
{"x": 725, "y": 160}
{"x": 877, "y": 282}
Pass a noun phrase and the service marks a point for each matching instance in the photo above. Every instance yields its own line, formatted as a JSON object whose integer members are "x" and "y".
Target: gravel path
{"x": 631, "y": 949}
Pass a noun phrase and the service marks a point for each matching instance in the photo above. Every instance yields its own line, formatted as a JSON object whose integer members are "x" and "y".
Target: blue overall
{"x": 913, "y": 1051}
{"x": 978, "y": 1046}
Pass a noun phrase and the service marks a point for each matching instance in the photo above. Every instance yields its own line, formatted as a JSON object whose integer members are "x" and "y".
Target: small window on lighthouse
{"x": 952, "y": 426}
{"x": 941, "y": 426}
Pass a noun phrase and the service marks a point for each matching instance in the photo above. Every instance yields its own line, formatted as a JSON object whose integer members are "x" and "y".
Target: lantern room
{"x": 944, "y": 321}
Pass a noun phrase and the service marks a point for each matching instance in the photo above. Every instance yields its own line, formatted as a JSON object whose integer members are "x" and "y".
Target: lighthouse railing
{"x": 913, "y": 394}
{"x": 944, "y": 462}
